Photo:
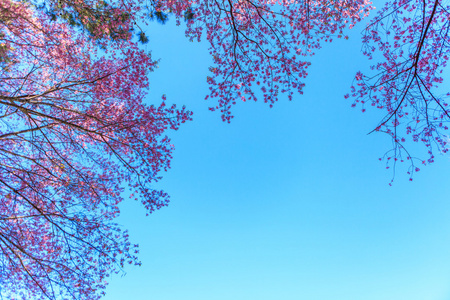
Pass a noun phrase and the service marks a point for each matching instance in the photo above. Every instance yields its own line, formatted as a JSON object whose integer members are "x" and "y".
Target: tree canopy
{"x": 75, "y": 129}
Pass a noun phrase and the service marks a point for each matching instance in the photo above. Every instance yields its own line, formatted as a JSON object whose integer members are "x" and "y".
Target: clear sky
{"x": 285, "y": 203}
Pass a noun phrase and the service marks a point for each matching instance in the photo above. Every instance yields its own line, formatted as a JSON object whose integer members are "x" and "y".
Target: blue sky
{"x": 285, "y": 203}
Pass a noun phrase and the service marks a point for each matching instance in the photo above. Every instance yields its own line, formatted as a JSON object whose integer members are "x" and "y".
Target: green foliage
{"x": 188, "y": 15}
{"x": 142, "y": 37}
{"x": 159, "y": 16}
{"x": 90, "y": 18}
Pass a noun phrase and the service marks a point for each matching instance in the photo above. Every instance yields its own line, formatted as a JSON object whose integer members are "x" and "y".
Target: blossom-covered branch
{"x": 413, "y": 39}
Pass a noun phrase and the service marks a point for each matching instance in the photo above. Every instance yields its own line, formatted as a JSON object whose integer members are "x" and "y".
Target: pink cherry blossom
{"x": 413, "y": 39}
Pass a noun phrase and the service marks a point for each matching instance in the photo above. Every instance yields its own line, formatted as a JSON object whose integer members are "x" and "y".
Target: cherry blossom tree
{"x": 413, "y": 38}
{"x": 265, "y": 44}
{"x": 73, "y": 133}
